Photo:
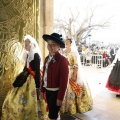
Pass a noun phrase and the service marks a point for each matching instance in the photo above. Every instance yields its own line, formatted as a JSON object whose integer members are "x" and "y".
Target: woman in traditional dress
{"x": 78, "y": 96}
{"x": 113, "y": 83}
{"x": 21, "y": 102}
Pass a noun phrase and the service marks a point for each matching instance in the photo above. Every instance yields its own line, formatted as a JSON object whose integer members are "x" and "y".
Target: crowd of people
{"x": 60, "y": 88}
{"x": 93, "y": 56}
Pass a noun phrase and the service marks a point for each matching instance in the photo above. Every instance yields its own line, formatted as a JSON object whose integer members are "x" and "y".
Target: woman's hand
{"x": 38, "y": 94}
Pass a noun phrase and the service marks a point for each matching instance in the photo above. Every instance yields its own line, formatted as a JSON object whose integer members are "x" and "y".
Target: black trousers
{"x": 51, "y": 97}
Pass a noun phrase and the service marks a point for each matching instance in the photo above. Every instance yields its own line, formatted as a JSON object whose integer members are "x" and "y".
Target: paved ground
{"x": 105, "y": 104}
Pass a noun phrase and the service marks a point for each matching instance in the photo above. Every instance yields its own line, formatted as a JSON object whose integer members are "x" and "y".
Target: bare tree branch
{"x": 84, "y": 27}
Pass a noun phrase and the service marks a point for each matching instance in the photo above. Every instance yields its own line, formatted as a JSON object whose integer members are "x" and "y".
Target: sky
{"x": 105, "y": 9}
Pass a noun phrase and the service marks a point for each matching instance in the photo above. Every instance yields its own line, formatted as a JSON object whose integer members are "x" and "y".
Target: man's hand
{"x": 59, "y": 102}
{"x": 41, "y": 95}
{"x": 38, "y": 94}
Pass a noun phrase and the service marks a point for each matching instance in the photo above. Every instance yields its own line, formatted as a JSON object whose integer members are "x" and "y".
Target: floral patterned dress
{"x": 78, "y": 96}
{"x": 21, "y": 102}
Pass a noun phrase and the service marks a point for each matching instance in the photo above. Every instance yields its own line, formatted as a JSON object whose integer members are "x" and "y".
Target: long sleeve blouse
{"x": 35, "y": 65}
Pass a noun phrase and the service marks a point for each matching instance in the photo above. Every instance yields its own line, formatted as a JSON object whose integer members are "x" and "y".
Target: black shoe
{"x": 118, "y": 95}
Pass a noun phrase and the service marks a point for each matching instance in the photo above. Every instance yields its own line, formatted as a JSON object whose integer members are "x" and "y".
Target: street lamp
{"x": 89, "y": 39}
{"x": 102, "y": 44}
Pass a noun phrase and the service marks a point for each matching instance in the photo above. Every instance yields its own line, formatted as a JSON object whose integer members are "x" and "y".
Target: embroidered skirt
{"x": 73, "y": 103}
{"x": 21, "y": 103}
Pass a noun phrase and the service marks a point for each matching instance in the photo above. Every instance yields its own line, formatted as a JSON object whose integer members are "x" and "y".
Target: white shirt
{"x": 46, "y": 68}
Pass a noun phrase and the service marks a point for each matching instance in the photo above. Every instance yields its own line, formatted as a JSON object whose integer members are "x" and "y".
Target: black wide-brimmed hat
{"x": 55, "y": 37}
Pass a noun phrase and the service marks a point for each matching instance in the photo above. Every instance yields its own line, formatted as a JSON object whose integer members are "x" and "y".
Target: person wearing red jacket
{"x": 104, "y": 59}
{"x": 55, "y": 74}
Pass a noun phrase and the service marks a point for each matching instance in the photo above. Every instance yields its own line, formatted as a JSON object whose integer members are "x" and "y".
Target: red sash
{"x": 32, "y": 72}
{"x": 76, "y": 87}
{"x": 30, "y": 69}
